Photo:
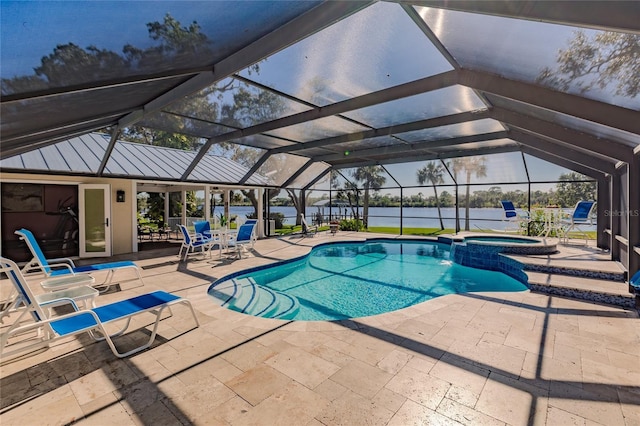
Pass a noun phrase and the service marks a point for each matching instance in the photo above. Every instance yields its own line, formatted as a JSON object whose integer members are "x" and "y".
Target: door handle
{"x": 107, "y": 222}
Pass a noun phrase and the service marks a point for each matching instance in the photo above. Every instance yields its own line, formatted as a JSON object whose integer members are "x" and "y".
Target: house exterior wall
{"x": 122, "y": 213}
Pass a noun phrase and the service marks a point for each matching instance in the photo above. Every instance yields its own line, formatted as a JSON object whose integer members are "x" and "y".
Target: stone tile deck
{"x": 484, "y": 358}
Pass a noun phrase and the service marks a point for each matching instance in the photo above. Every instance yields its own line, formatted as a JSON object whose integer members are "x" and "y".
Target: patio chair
{"x": 92, "y": 321}
{"x": 202, "y": 229}
{"x": 512, "y": 217}
{"x": 582, "y": 215}
{"x": 254, "y": 235}
{"x": 243, "y": 238}
{"x": 634, "y": 285}
{"x": 307, "y": 230}
{"x": 205, "y": 233}
{"x": 143, "y": 233}
{"x": 65, "y": 266}
{"x": 192, "y": 242}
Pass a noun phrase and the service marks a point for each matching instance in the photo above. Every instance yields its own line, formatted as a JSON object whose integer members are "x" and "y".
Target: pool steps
{"x": 541, "y": 274}
{"x": 246, "y": 296}
{"x": 585, "y": 288}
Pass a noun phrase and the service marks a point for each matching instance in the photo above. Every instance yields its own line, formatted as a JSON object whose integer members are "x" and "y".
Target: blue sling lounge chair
{"x": 307, "y": 230}
{"x": 243, "y": 238}
{"x": 65, "y": 266}
{"x": 254, "y": 236}
{"x": 512, "y": 216}
{"x": 582, "y": 216}
{"x": 198, "y": 240}
{"x": 45, "y": 330}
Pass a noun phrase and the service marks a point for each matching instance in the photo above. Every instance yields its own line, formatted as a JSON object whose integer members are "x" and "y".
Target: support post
{"x": 184, "y": 207}
{"x": 457, "y": 209}
{"x": 633, "y": 196}
{"x": 227, "y": 195}
{"x": 401, "y": 210}
{"x": 603, "y": 240}
{"x": 166, "y": 208}
{"x": 303, "y": 207}
{"x": 615, "y": 219}
{"x": 259, "y": 213}
{"x": 207, "y": 203}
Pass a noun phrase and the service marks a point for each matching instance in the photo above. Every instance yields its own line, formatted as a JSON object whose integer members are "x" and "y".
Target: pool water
{"x": 350, "y": 280}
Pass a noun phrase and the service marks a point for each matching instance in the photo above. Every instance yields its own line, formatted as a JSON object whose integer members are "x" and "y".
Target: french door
{"x": 94, "y": 214}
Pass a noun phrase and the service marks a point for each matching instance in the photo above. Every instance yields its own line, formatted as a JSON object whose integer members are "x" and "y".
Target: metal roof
{"x": 82, "y": 155}
{"x": 309, "y": 86}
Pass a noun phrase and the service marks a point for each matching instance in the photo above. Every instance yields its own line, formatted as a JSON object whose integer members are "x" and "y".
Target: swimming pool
{"x": 351, "y": 280}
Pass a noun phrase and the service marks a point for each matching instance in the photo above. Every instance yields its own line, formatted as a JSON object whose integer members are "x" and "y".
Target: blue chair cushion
{"x": 244, "y": 233}
{"x": 125, "y": 308}
{"x": 582, "y": 210}
{"x": 635, "y": 282}
{"x": 94, "y": 268}
{"x": 74, "y": 324}
{"x": 113, "y": 311}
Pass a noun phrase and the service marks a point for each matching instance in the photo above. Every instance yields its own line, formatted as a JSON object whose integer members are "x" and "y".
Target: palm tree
{"x": 372, "y": 179}
{"x": 472, "y": 166}
{"x": 346, "y": 192}
{"x": 433, "y": 172}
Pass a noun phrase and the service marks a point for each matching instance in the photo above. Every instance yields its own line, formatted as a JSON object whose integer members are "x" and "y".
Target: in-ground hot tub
{"x": 512, "y": 244}
{"x": 487, "y": 251}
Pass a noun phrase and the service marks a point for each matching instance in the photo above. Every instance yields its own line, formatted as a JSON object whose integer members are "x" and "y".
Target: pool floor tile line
{"x": 482, "y": 355}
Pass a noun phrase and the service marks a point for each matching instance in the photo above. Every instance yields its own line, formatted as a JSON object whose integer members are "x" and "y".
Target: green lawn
{"x": 410, "y": 231}
{"x": 425, "y": 232}
{"x": 437, "y": 231}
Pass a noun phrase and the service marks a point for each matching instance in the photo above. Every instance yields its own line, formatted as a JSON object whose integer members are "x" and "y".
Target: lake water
{"x": 413, "y": 217}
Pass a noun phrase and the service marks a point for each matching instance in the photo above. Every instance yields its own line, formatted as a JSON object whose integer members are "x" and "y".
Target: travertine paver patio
{"x": 488, "y": 358}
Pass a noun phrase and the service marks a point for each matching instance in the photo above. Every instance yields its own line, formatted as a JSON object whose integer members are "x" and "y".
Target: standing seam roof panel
{"x": 82, "y": 155}
{"x": 54, "y": 159}
{"x": 210, "y": 168}
{"x": 135, "y": 160}
{"x": 74, "y": 160}
{"x": 90, "y": 149}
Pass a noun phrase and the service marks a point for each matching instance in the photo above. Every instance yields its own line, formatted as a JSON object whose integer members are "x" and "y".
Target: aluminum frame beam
{"x": 427, "y": 157}
{"x": 603, "y": 15}
{"x": 427, "y": 84}
{"x": 605, "y": 147}
{"x": 18, "y": 145}
{"x": 445, "y": 120}
{"x": 423, "y": 146}
{"x": 587, "y": 109}
{"x": 298, "y": 172}
{"x": 556, "y": 149}
{"x": 298, "y": 28}
{"x": 317, "y": 178}
{"x": 561, "y": 161}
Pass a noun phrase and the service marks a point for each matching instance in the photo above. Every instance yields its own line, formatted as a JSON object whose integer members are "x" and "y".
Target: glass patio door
{"x": 95, "y": 220}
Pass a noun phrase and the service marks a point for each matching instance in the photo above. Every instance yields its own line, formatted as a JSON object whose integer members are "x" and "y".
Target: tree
{"x": 347, "y": 192}
{"x": 572, "y": 188}
{"x": 604, "y": 59}
{"x": 472, "y": 166}
{"x": 433, "y": 172}
{"x": 70, "y": 64}
{"x": 372, "y": 180}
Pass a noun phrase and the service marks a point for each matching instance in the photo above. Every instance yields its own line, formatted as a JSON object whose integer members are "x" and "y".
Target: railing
{"x": 189, "y": 221}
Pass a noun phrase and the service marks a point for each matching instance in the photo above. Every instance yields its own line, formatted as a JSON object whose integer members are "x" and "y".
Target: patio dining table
{"x": 222, "y": 236}
{"x": 552, "y": 222}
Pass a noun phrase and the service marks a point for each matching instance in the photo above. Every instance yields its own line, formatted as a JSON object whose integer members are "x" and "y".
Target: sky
{"x": 32, "y": 29}
{"x": 348, "y": 58}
